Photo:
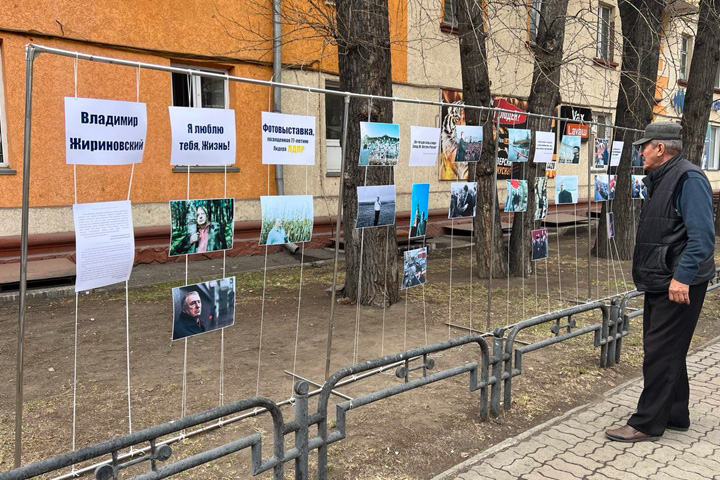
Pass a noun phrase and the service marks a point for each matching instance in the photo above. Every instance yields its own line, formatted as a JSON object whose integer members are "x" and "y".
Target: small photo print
{"x": 570, "y": 149}
{"x": 604, "y": 188}
{"x": 376, "y": 206}
{"x": 463, "y": 198}
{"x": 469, "y": 143}
{"x": 637, "y": 160}
{"x": 639, "y": 189}
{"x": 566, "y": 189}
{"x": 286, "y": 219}
{"x": 602, "y": 154}
{"x": 519, "y": 144}
{"x": 539, "y": 244}
{"x": 419, "y": 201}
{"x": 414, "y": 268}
{"x": 540, "y": 198}
{"x": 379, "y": 144}
{"x": 203, "y": 307}
{"x": 201, "y": 226}
{"x": 610, "y": 224}
{"x": 517, "y": 196}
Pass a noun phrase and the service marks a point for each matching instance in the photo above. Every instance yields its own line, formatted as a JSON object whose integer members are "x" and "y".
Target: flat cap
{"x": 660, "y": 131}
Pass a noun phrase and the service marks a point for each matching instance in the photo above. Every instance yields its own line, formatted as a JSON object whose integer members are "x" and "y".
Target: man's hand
{"x": 679, "y": 292}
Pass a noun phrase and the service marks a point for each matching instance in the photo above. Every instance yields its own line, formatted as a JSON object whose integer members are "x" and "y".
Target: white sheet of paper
{"x": 104, "y": 132}
{"x": 616, "y": 153}
{"x": 288, "y": 139}
{"x": 104, "y": 243}
{"x": 202, "y": 136}
{"x": 424, "y": 145}
{"x": 544, "y": 147}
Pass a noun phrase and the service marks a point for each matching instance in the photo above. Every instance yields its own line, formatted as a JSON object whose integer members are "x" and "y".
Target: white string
{"x": 127, "y": 355}
{"x": 75, "y": 182}
{"x": 185, "y": 350}
{"x": 547, "y": 279}
{"x": 76, "y": 74}
{"x": 522, "y": 242}
{"x": 262, "y": 308}
{"x": 452, "y": 235}
{"x": 221, "y": 400}
{"x": 557, "y": 239}
{"x": 385, "y": 296}
{"x": 577, "y": 284}
{"x": 74, "y": 402}
{"x": 472, "y": 260}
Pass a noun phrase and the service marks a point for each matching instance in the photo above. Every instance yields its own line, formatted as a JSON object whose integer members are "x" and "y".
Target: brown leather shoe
{"x": 628, "y": 434}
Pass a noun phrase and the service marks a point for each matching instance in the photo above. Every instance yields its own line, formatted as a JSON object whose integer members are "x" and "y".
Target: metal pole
{"x": 492, "y": 225}
{"x": 29, "y": 58}
{"x": 337, "y": 235}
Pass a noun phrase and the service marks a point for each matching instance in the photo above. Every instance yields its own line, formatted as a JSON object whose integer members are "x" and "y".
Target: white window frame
{"x": 534, "y": 10}
{"x": 717, "y": 78}
{"x": 714, "y": 153}
{"x": 196, "y": 85}
{"x": 604, "y": 48}
{"x": 333, "y": 149}
{"x": 4, "y": 163}
{"x": 685, "y": 47}
{"x": 604, "y": 122}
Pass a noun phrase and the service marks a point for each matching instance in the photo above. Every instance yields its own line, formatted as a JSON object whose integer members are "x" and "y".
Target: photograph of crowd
{"x": 566, "y": 189}
{"x": 469, "y": 143}
{"x": 376, "y": 206}
{"x": 540, "y": 198}
{"x": 286, "y": 219}
{"x": 602, "y": 154}
{"x": 203, "y": 307}
{"x": 517, "y": 196}
{"x": 519, "y": 144}
{"x": 463, "y": 197}
{"x": 419, "y": 201}
{"x": 570, "y": 149}
{"x": 604, "y": 187}
{"x": 201, "y": 226}
{"x": 639, "y": 189}
{"x": 414, "y": 268}
{"x": 539, "y": 244}
{"x": 379, "y": 143}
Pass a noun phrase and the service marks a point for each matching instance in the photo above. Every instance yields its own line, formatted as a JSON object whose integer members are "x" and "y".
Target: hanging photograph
{"x": 203, "y": 307}
{"x": 544, "y": 147}
{"x": 604, "y": 188}
{"x": 602, "y": 154}
{"x": 540, "y": 248}
{"x": 376, "y": 206}
{"x": 570, "y": 149}
{"x": 639, "y": 189}
{"x": 451, "y": 116}
{"x": 288, "y": 139}
{"x": 469, "y": 143}
{"x": 463, "y": 198}
{"x": 610, "y": 224}
{"x": 379, "y": 144}
{"x": 616, "y": 153}
{"x": 517, "y": 196}
{"x": 424, "y": 146}
{"x": 566, "y": 189}
{"x": 414, "y": 268}
{"x": 201, "y": 226}
{"x": 419, "y": 201}
{"x": 519, "y": 144}
{"x": 286, "y": 219}
{"x": 637, "y": 160}
{"x": 511, "y": 116}
{"x": 540, "y": 198}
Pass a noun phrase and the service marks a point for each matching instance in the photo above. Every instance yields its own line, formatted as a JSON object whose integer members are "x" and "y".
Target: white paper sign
{"x": 424, "y": 146}
{"x": 288, "y": 139}
{"x": 202, "y": 136}
{"x": 616, "y": 153}
{"x": 104, "y": 243}
{"x": 104, "y": 132}
{"x": 544, "y": 147}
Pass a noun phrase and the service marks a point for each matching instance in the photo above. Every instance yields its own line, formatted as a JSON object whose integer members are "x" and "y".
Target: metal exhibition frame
{"x": 34, "y": 50}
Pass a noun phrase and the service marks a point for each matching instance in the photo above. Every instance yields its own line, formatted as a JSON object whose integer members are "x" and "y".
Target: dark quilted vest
{"x": 661, "y": 235}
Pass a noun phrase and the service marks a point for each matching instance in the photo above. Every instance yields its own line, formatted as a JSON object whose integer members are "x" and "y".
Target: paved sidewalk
{"x": 574, "y": 445}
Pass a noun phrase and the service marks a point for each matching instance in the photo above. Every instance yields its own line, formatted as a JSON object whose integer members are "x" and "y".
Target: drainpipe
{"x": 277, "y": 97}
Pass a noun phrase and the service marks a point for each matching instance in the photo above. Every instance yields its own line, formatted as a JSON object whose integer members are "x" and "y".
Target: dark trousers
{"x": 377, "y": 217}
{"x": 667, "y": 330}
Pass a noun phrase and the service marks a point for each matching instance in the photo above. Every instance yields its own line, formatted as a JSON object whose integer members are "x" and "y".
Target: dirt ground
{"x": 415, "y": 435}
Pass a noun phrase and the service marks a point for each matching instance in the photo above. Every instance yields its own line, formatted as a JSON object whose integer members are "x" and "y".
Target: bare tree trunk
{"x": 363, "y": 37}
{"x": 476, "y": 91}
{"x": 641, "y": 51}
{"x": 544, "y": 97}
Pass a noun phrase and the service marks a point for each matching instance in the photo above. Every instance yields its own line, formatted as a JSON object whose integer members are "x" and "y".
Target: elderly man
{"x": 672, "y": 264}
{"x": 189, "y": 322}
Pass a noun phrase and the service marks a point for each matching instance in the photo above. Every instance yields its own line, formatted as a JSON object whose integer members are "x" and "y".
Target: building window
{"x": 534, "y": 7}
{"x": 717, "y": 78}
{"x": 449, "y": 20}
{"x": 713, "y": 159}
{"x": 605, "y": 33}
{"x": 3, "y": 121}
{"x": 334, "y": 110}
{"x": 197, "y": 91}
{"x": 685, "y": 45}
{"x": 603, "y": 123}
